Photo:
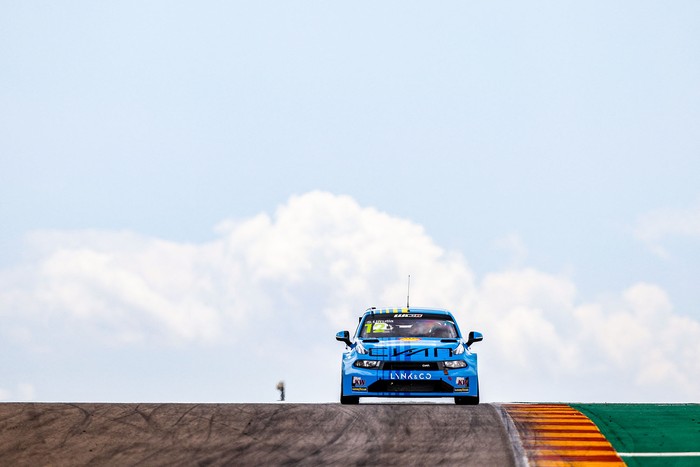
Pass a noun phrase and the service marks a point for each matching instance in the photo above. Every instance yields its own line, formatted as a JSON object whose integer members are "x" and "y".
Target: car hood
{"x": 409, "y": 348}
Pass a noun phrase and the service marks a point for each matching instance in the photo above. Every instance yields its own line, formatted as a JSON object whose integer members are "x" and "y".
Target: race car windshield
{"x": 408, "y": 325}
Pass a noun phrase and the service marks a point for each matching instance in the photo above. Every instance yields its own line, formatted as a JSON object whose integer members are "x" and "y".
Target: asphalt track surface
{"x": 252, "y": 434}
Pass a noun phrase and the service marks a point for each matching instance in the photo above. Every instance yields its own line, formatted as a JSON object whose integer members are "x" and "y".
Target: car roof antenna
{"x": 408, "y": 294}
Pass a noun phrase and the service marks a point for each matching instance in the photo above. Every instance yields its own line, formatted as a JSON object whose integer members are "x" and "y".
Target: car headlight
{"x": 455, "y": 364}
{"x": 367, "y": 363}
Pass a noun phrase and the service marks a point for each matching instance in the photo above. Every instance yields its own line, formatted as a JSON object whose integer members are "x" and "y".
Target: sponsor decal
{"x": 463, "y": 382}
{"x": 410, "y": 351}
{"x": 359, "y": 389}
{"x": 410, "y": 339}
{"x": 357, "y": 381}
{"x": 409, "y": 315}
{"x": 409, "y": 375}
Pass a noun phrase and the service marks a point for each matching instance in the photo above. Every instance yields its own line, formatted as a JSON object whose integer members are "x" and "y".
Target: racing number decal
{"x": 380, "y": 327}
{"x": 377, "y": 328}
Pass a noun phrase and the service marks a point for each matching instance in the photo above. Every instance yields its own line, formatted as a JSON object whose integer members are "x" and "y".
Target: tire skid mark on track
{"x": 558, "y": 435}
{"x": 80, "y": 426}
{"x": 185, "y": 414}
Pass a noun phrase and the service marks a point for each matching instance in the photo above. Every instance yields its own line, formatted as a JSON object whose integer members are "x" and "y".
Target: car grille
{"x": 410, "y": 386}
{"x": 420, "y": 366}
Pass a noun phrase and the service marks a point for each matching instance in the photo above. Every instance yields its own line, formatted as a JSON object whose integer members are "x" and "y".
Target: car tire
{"x": 468, "y": 400}
{"x": 347, "y": 399}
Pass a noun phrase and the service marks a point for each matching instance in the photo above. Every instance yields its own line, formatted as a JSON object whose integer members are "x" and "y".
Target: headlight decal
{"x": 453, "y": 364}
{"x": 372, "y": 364}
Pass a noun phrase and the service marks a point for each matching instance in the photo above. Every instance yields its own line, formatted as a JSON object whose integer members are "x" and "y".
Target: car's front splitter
{"x": 379, "y": 383}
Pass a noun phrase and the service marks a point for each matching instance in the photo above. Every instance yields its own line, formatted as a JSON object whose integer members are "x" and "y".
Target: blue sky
{"x": 551, "y": 147}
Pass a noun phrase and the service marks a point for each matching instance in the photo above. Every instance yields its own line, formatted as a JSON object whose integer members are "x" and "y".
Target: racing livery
{"x": 402, "y": 352}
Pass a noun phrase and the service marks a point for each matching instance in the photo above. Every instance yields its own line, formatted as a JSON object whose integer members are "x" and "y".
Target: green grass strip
{"x": 649, "y": 428}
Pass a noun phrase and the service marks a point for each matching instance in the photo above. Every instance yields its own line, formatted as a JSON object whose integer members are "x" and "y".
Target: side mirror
{"x": 474, "y": 337}
{"x": 344, "y": 336}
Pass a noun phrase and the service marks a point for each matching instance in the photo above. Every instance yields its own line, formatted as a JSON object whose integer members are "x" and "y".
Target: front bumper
{"x": 409, "y": 383}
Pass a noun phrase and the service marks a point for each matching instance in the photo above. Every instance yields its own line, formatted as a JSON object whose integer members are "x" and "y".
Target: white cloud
{"x": 24, "y": 392}
{"x": 642, "y": 338}
{"x": 656, "y": 227}
{"x": 278, "y": 287}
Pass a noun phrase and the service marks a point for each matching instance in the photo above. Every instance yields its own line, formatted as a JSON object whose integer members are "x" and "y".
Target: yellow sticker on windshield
{"x": 392, "y": 310}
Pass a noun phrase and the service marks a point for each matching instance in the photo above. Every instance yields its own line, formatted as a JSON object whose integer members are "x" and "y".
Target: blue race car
{"x": 401, "y": 352}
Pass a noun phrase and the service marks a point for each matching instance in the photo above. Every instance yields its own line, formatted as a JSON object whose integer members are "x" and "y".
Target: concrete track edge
{"x": 512, "y": 431}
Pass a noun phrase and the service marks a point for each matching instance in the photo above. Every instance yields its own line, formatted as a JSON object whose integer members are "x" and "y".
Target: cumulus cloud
{"x": 23, "y": 392}
{"x": 658, "y": 226}
{"x": 279, "y": 286}
{"x": 641, "y": 337}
